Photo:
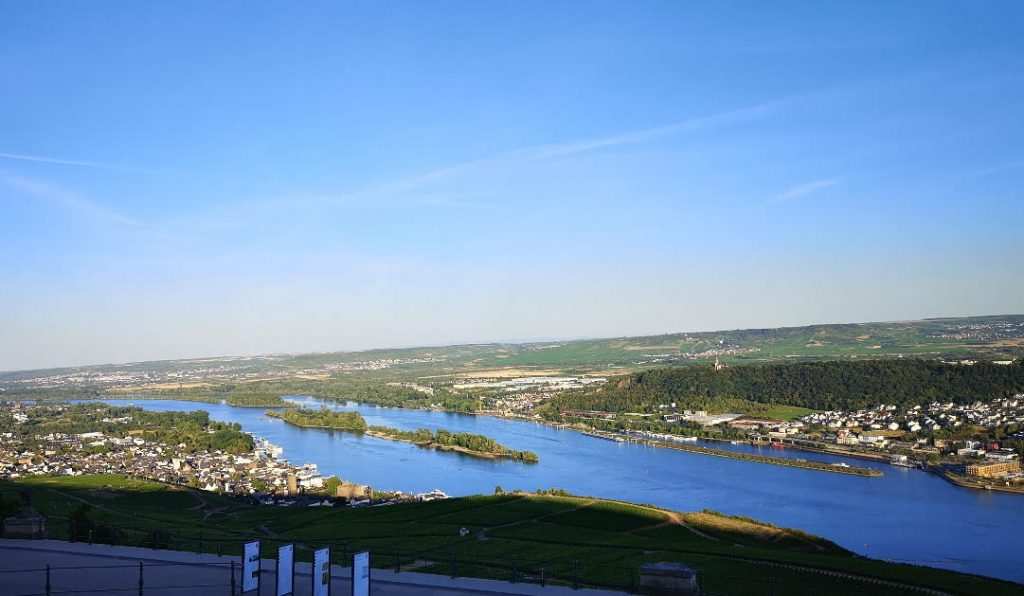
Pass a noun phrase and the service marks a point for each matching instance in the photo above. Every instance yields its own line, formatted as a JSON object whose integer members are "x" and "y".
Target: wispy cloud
{"x": 807, "y": 188}
{"x": 66, "y": 199}
{"x": 422, "y": 189}
{"x": 69, "y": 162}
{"x": 650, "y": 134}
{"x": 543, "y": 152}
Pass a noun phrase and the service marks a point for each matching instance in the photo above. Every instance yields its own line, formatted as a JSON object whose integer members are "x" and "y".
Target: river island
{"x": 470, "y": 444}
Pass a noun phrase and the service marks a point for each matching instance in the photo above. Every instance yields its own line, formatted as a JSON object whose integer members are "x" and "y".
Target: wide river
{"x": 906, "y": 515}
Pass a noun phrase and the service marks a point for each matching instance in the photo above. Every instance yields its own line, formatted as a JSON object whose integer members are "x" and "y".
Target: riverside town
{"x": 135, "y": 443}
{"x": 512, "y": 298}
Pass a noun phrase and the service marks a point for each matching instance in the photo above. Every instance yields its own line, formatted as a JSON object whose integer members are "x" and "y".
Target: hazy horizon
{"x": 527, "y": 340}
{"x": 186, "y": 180}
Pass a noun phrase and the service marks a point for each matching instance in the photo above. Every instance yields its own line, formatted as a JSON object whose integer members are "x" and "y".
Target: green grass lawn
{"x": 777, "y": 412}
{"x": 526, "y": 537}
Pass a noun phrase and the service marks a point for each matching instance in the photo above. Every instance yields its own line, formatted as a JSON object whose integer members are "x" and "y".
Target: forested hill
{"x": 817, "y": 385}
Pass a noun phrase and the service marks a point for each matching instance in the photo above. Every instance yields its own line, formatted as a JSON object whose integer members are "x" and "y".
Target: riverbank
{"x": 828, "y": 450}
{"x": 967, "y": 482}
{"x": 939, "y": 470}
{"x": 776, "y": 461}
{"x": 761, "y": 459}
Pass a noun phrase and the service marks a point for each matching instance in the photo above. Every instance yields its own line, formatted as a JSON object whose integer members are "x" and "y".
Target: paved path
{"x": 104, "y": 569}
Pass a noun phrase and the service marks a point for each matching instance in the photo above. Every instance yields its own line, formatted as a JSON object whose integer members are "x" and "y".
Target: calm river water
{"x": 906, "y": 515}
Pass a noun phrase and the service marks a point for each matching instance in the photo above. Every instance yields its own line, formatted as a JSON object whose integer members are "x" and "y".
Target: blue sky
{"x": 191, "y": 179}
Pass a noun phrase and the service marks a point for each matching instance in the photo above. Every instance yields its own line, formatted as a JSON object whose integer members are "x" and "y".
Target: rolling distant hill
{"x": 991, "y": 337}
{"x": 986, "y": 338}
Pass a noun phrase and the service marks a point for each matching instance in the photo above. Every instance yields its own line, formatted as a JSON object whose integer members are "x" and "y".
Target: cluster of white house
{"x": 260, "y": 471}
{"x": 934, "y": 416}
{"x": 668, "y": 357}
{"x": 523, "y": 383}
{"x": 520, "y": 396}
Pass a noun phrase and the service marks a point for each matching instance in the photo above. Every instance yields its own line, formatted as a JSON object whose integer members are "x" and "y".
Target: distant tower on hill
{"x": 718, "y": 365}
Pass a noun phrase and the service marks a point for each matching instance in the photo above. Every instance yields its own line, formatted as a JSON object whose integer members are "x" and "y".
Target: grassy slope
{"x": 603, "y": 541}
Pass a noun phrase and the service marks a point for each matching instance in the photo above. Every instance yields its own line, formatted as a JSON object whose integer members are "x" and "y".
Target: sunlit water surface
{"x": 906, "y": 515}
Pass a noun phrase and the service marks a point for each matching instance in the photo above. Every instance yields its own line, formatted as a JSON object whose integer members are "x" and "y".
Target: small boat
{"x": 433, "y": 495}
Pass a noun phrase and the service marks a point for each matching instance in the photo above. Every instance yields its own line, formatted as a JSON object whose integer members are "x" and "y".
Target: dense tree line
{"x": 340, "y": 389}
{"x": 235, "y": 395}
{"x": 482, "y": 444}
{"x": 818, "y": 385}
{"x": 246, "y": 397}
{"x": 322, "y": 418}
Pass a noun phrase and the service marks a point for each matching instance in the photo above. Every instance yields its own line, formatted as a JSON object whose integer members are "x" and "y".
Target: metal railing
{"x": 452, "y": 558}
{"x": 138, "y": 578}
{"x": 615, "y": 568}
{"x": 125, "y": 578}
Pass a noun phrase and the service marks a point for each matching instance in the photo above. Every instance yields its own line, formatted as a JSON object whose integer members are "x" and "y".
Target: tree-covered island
{"x": 321, "y": 418}
{"x": 466, "y": 443}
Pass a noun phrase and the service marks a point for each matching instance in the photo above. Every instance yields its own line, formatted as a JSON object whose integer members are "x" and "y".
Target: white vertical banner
{"x": 285, "y": 570}
{"x": 361, "y": 574}
{"x": 251, "y": 566}
{"x": 322, "y": 572}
